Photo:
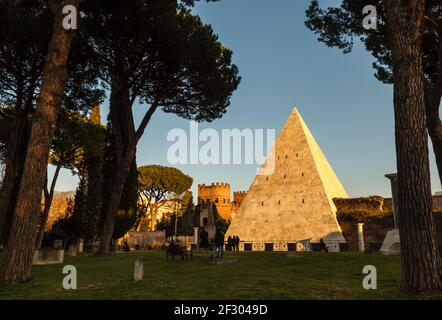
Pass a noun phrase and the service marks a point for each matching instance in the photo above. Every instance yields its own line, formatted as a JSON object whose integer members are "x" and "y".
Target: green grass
{"x": 257, "y": 275}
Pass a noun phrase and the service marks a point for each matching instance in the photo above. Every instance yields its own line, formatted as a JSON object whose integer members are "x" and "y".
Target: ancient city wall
{"x": 376, "y": 214}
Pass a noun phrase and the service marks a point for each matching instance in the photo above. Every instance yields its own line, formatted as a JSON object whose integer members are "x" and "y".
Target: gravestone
{"x": 47, "y": 256}
{"x": 72, "y": 251}
{"x": 392, "y": 244}
{"x": 139, "y": 269}
{"x": 80, "y": 245}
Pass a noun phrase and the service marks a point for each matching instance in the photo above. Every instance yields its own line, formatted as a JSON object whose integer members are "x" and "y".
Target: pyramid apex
{"x": 295, "y": 112}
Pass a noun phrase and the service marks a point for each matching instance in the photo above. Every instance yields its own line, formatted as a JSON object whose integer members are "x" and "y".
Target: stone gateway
{"x": 293, "y": 202}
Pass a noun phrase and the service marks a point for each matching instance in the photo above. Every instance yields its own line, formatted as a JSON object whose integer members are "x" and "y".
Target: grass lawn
{"x": 257, "y": 275}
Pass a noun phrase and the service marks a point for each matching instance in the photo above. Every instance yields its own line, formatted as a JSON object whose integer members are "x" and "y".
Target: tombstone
{"x": 72, "y": 251}
{"x": 47, "y": 256}
{"x": 80, "y": 245}
{"x": 391, "y": 244}
{"x": 139, "y": 269}
{"x": 361, "y": 241}
{"x": 58, "y": 244}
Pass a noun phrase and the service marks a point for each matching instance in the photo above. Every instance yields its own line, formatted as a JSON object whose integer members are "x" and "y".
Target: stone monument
{"x": 391, "y": 244}
{"x": 48, "y": 256}
{"x": 73, "y": 249}
{"x": 293, "y": 200}
{"x": 361, "y": 241}
{"x": 139, "y": 269}
{"x": 80, "y": 245}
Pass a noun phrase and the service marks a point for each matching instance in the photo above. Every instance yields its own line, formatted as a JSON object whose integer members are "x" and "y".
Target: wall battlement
{"x": 238, "y": 196}
{"x": 219, "y": 194}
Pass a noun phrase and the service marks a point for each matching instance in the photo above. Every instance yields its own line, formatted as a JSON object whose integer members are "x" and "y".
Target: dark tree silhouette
{"x": 17, "y": 263}
{"x": 155, "y": 52}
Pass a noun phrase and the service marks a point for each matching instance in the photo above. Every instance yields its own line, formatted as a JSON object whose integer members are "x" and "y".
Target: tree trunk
{"x": 122, "y": 171}
{"x": 49, "y": 196}
{"x": 17, "y": 263}
{"x": 153, "y": 217}
{"x": 125, "y": 143}
{"x": 419, "y": 255}
{"x": 12, "y": 169}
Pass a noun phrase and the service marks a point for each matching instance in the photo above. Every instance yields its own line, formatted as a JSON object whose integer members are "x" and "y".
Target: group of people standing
{"x": 233, "y": 243}
{"x": 217, "y": 244}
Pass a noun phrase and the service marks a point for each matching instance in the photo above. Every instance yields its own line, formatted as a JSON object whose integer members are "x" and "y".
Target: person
{"x": 219, "y": 242}
{"x": 230, "y": 243}
{"x": 323, "y": 246}
{"x": 237, "y": 244}
{"x": 204, "y": 239}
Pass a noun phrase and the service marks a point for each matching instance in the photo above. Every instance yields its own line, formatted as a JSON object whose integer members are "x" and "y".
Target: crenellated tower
{"x": 217, "y": 193}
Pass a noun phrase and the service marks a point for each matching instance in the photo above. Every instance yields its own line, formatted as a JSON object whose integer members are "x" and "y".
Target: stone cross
{"x": 394, "y": 197}
{"x": 139, "y": 269}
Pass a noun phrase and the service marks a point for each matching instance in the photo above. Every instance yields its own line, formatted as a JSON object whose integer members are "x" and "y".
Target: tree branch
{"x": 146, "y": 119}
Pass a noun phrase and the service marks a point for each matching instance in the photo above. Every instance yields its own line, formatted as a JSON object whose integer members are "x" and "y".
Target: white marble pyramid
{"x": 294, "y": 201}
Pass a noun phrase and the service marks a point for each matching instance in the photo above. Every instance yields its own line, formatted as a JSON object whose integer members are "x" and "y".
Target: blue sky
{"x": 282, "y": 65}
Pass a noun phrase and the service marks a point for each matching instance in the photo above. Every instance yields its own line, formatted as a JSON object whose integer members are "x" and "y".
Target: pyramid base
{"x": 392, "y": 243}
{"x": 333, "y": 245}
